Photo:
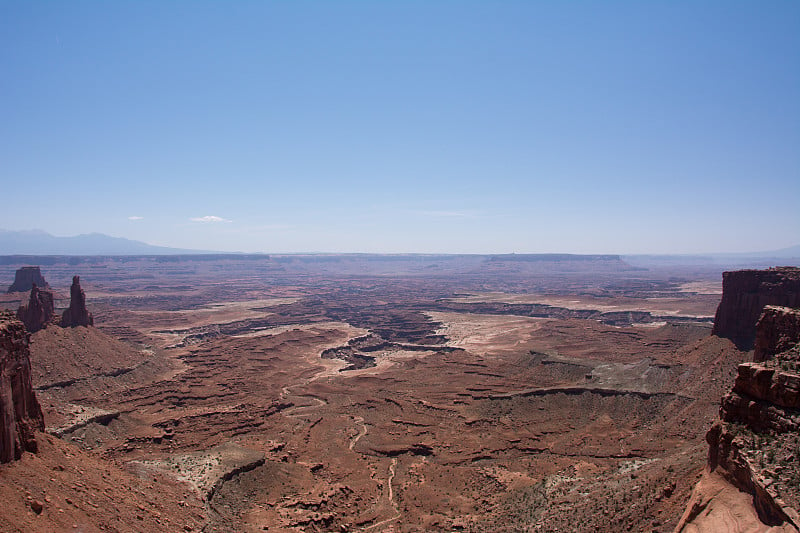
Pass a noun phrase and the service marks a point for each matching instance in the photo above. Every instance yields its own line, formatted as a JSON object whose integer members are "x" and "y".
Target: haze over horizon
{"x": 444, "y": 127}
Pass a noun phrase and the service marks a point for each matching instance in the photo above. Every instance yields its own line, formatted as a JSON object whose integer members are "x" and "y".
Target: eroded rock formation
{"x": 26, "y": 277}
{"x": 755, "y": 446}
{"x": 778, "y": 331}
{"x": 745, "y": 293}
{"x": 39, "y": 311}
{"x": 20, "y": 414}
{"x": 76, "y": 314}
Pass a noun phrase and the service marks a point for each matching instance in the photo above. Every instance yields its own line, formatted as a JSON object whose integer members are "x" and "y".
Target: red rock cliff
{"x": 20, "y": 414}
{"x": 745, "y": 293}
{"x": 777, "y": 331}
{"x": 754, "y": 448}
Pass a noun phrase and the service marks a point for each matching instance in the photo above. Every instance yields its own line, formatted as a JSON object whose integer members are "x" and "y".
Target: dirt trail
{"x": 331, "y": 367}
{"x": 361, "y": 433}
{"x": 389, "y": 498}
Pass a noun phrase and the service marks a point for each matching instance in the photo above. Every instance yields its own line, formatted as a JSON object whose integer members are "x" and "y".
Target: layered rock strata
{"x": 778, "y": 331}
{"x": 755, "y": 446}
{"x": 76, "y": 314}
{"x": 745, "y": 293}
{"x": 26, "y": 277}
{"x": 39, "y": 311}
{"x": 20, "y": 414}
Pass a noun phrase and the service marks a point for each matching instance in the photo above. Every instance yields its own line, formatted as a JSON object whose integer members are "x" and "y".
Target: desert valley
{"x": 400, "y": 267}
{"x": 400, "y": 393}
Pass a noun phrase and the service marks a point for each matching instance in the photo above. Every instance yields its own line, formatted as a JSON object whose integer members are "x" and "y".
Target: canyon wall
{"x": 752, "y": 480}
{"x": 20, "y": 414}
{"x": 745, "y": 293}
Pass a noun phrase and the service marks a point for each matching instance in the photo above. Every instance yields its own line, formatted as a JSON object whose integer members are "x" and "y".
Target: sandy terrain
{"x": 702, "y": 287}
{"x": 485, "y": 334}
{"x": 702, "y": 306}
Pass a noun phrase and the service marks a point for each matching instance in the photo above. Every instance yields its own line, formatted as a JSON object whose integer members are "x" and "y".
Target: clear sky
{"x": 405, "y": 126}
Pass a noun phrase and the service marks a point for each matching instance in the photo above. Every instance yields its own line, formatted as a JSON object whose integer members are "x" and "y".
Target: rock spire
{"x": 76, "y": 314}
{"x": 39, "y": 311}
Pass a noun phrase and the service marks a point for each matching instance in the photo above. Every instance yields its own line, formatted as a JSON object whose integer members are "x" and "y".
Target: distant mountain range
{"x": 37, "y": 242}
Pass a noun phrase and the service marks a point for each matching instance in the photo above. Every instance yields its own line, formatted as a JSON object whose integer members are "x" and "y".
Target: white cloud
{"x": 209, "y": 218}
{"x": 134, "y": 217}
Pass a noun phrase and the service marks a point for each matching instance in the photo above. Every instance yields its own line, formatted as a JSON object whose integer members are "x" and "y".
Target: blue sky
{"x": 407, "y": 126}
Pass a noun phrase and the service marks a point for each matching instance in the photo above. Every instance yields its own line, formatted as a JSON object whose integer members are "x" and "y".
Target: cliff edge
{"x": 20, "y": 414}
{"x": 745, "y": 293}
{"x": 752, "y": 480}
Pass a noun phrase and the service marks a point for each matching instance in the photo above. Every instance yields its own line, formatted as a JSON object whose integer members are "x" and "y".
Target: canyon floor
{"x": 311, "y": 395}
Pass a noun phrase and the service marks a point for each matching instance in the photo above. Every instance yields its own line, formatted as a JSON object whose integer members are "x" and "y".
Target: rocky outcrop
{"x": 26, "y": 277}
{"x": 755, "y": 445}
{"x": 39, "y": 311}
{"x": 778, "y": 331}
{"x": 20, "y": 414}
{"x": 76, "y": 314}
{"x": 745, "y": 293}
{"x": 768, "y": 384}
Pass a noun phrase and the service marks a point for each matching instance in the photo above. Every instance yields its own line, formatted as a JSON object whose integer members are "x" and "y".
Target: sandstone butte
{"x": 20, "y": 414}
{"x": 76, "y": 314}
{"x": 25, "y": 278}
{"x": 752, "y": 479}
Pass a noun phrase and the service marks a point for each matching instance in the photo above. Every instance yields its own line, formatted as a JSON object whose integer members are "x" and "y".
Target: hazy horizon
{"x": 787, "y": 252}
{"x": 416, "y": 127}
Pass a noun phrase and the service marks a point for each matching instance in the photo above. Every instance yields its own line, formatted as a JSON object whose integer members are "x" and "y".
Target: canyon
{"x": 394, "y": 393}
